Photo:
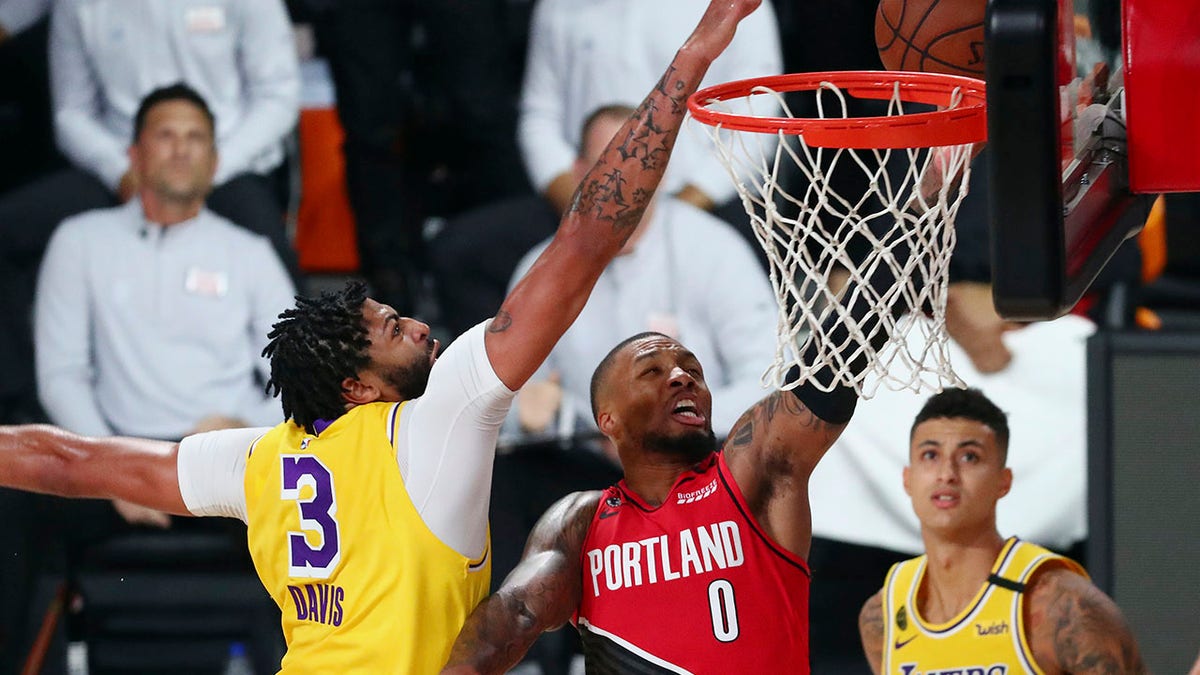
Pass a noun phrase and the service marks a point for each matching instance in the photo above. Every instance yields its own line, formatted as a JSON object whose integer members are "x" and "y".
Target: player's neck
{"x": 651, "y": 476}
{"x": 956, "y": 567}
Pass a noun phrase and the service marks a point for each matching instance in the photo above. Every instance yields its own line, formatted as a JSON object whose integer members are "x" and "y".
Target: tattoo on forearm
{"x": 501, "y": 323}
{"x": 618, "y": 189}
{"x": 673, "y": 88}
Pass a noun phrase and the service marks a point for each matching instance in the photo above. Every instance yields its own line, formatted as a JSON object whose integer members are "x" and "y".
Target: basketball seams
{"x": 973, "y": 72}
{"x": 931, "y": 35}
{"x": 909, "y": 43}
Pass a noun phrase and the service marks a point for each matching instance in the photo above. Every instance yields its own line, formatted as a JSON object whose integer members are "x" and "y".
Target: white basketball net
{"x": 906, "y": 217}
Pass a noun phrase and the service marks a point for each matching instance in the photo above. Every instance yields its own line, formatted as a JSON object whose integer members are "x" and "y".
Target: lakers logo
{"x": 902, "y": 618}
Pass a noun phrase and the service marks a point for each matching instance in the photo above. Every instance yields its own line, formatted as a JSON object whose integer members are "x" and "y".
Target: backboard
{"x": 1069, "y": 183}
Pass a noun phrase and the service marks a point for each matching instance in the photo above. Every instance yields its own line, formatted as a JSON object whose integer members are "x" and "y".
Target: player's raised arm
{"x": 540, "y": 594}
{"x": 607, "y": 206}
{"x": 774, "y": 447}
{"x": 40, "y": 458}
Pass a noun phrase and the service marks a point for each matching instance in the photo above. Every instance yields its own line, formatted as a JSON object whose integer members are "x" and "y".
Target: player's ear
{"x": 1005, "y": 481}
{"x": 359, "y": 392}
{"x": 904, "y": 476}
{"x": 606, "y": 422}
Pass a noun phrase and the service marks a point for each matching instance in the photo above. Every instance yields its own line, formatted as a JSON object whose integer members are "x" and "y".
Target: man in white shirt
{"x": 105, "y": 55}
{"x": 151, "y": 317}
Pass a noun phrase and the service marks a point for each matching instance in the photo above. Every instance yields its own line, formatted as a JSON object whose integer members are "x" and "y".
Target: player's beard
{"x": 410, "y": 381}
{"x": 691, "y": 447}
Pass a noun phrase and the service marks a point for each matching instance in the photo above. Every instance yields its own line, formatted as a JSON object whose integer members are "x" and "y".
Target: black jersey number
{"x": 724, "y": 610}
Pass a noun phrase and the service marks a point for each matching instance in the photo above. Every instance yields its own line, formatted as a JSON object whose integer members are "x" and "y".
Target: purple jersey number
{"x": 317, "y": 507}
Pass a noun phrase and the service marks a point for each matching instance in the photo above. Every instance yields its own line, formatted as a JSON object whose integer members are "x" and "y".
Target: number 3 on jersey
{"x": 309, "y": 483}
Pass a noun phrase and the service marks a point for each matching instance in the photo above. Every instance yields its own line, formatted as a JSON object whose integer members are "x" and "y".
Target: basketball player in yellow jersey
{"x": 976, "y": 603}
{"x": 367, "y": 509}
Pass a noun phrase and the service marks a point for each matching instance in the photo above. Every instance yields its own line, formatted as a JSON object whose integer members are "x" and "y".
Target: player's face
{"x": 402, "y": 353}
{"x": 174, "y": 155}
{"x": 660, "y": 400}
{"x": 956, "y": 474}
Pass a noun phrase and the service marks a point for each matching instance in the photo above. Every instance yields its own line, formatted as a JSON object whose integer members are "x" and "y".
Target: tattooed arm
{"x": 1073, "y": 627}
{"x": 540, "y": 594}
{"x": 771, "y": 452}
{"x": 607, "y": 207}
{"x": 870, "y": 631}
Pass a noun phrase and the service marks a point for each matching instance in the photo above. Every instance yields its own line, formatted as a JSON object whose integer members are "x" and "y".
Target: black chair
{"x": 174, "y": 601}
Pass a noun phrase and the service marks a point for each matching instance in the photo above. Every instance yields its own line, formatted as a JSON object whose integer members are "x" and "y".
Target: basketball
{"x": 941, "y": 36}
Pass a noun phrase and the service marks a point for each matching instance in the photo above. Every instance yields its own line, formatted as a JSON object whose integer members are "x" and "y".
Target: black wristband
{"x": 834, "y": 407}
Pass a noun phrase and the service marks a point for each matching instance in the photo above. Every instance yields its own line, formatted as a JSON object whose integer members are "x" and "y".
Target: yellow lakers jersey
{"x": 986, "y": 638}
{"x": 364, "y": 585}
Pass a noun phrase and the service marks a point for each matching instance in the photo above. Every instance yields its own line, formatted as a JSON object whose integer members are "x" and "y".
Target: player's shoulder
{"x": 564, "y": 526}
{"x": 580, "y": 505}
{"x": 1056, "y": 579}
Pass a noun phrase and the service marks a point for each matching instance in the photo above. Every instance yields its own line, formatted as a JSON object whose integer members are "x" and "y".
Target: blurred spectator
{"x": 683, "y": 272}
{"x": 150, "y": 321}
{"x": 427, "y": 97}
{"x": 168, "y": 342}
{"x": 105, "y": 55}
{"x": 584, "y": 54}
{"x": 862, "y": 520}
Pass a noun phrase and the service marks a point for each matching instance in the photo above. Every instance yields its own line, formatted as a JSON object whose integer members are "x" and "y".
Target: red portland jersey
{"x": 692, "y": 586}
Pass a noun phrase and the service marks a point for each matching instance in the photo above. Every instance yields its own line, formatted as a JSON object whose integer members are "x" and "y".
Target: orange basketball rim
{"x": 960, "y": 119}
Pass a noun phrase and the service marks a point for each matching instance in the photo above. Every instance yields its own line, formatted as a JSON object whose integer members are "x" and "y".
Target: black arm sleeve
{"x": 837, "y": 406}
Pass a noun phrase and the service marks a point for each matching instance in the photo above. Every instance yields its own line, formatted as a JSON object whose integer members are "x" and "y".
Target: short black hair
{"x": 614, "y": 111}
{"x": 968, "y": 404}
{"x": 172, "y": 92}
{"x": 607, "y": 362}
{"x": 313, "y": 348}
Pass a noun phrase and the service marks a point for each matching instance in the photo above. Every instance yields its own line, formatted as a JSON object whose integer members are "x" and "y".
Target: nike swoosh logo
{"x": 900, "y": 644}
{"x": 608, "y": 514}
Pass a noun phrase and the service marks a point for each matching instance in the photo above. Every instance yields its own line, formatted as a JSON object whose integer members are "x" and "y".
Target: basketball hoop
{"x": 912, "y": 168}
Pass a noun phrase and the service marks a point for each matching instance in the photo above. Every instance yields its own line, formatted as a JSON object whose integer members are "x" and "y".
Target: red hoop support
{"x": 966, "y": 123}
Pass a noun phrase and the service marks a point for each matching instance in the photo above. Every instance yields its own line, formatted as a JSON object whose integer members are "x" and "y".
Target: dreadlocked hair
{"x": 313, "y": 348}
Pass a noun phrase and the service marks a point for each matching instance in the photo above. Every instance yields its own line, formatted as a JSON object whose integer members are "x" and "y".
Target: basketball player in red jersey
{"x": 695, "y": 562}
{"x": 976, "y": 602}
